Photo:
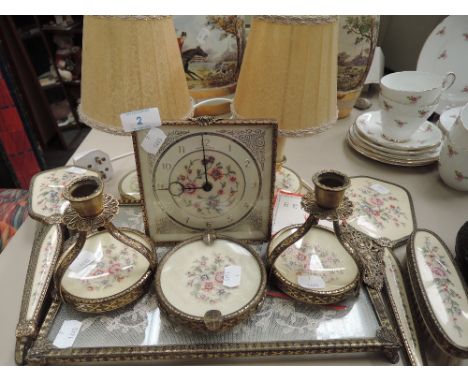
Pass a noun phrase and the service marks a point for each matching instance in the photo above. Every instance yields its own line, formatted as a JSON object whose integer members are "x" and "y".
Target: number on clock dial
{"x": 211, "y": 181}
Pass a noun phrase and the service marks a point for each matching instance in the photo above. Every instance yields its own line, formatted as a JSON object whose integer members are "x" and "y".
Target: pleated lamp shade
{"x": 289, "y": 73}
{"x": 131, "y": 63}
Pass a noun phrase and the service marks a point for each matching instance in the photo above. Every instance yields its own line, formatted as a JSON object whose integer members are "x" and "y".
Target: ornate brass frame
{"x": 410, "y": 309}
{"x": 305, "y": 295}
{"x": 392, "y": 244}
{"x": 109, "y": 303}
{"x": 430, "y": 322}
{"x": 44, "y": 353}
{"x": 212, "y": 322}
{"x": 211, "y": 122}
{"x": 27, "y": 330}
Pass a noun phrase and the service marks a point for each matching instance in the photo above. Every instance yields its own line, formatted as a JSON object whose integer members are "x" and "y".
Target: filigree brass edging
{"x": 385, "y": 242}
{"x": 52, "y": 219}
{"x": 234, "y": 123}
{"x": 26, "y": 330}
{"x": 399, "y": 320}
{"x": 425, "y": 311}
{"x": 116, "y": 301}
{"x": 198, "y": 323}
{"x": 295, "y": 291}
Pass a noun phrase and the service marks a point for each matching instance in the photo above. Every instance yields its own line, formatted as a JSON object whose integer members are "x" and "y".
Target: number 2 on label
{"x": 139, "y": 121}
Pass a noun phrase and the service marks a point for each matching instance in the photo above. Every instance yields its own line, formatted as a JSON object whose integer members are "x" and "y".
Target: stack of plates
{"x": 365, "y": 136}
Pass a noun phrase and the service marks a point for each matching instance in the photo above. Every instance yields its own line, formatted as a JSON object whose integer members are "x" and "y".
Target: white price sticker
{"x": 315, "y": 263}
{"x": 76, "y": 170}
{"x": 140, "y": 119}
{"x": 84, "y": 259}
{"x": 67, "y": 334}
{"x": 202, "y": 37}
{"x": 232, "y": 276}
{"x": 153, "y": 140}
{"x": 311, "y": 282}
{"x": 380, "y": 189}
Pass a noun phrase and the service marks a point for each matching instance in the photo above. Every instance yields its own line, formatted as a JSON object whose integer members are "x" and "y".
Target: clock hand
{"x": 207, "y": 186}
{"x": 177, "y": 188}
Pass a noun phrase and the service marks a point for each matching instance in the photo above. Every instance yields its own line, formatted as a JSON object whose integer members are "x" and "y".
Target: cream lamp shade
{"x": 289, "y": 73}
{"x": 131, "y": 63}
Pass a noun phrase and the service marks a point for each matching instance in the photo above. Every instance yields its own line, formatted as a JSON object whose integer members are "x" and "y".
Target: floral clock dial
{"x": 206, "y": 181}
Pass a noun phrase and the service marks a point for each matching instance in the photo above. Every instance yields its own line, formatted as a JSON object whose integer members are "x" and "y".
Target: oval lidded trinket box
{"x": 441, "y": 294}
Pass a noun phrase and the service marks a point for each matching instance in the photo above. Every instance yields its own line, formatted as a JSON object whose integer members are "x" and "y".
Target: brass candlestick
{"x": 327, "y": 203}
{"x": 106, "y": 267}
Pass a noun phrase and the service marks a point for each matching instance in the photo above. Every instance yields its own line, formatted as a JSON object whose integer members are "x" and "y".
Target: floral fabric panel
{"x": 381, "y": 210}
{"x": 206, "y": 277}
{"x": 43, "y": 268}
{"x": 442, "y": 286}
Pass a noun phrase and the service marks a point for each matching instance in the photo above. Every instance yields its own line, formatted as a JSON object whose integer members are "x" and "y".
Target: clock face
{"x": 217, "y": 176}
{"x": 206, "y": 181}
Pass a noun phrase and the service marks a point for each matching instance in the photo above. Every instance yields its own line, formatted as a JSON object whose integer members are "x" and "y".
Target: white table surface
{"x": 437, "y": 208}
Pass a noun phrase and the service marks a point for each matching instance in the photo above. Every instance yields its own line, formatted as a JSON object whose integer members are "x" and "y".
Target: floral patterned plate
{"x": 401, "y": 307}
{"x": 105, "y": 267}
{"x": 446, "y": 50}
{"x": 196, "y": 277}
{"x": 318, "y": 261}
{"x": 129, "y": 189}
{"x": 441, "y": 295}
{"x": 381, "y": 209}
{"x": 369, "y": 126}
{"x": 46, "y": 202}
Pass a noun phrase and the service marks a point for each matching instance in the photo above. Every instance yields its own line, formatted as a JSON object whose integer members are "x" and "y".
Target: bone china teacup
{"x": 400, "y": 122}
{"x": 415, "y": 87}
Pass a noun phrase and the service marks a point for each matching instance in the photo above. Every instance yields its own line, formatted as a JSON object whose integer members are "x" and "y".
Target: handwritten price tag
{"x": 67, "y": 334}
{"x": 140, "y": 119}
{"x": 380, "y": 189}
{"x": 311, "y": 282}
{"x": 153, "y": 140}
{"x": 232, "y": 276}
{"x": 84, "y": 259}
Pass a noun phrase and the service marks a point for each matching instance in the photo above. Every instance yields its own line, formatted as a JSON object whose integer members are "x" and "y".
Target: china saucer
{"x": 414, "y": 154}
{"x": 388, "y": 159}
{"x": 369, "y": 126}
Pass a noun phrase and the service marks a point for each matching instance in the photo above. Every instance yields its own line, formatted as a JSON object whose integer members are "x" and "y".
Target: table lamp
{"x": 131, "y": 63}
{"x": 289, "y": 73}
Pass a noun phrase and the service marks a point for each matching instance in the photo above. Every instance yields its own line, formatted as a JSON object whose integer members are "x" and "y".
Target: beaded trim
{"x": 296, "y": 133}
{"x": 322, "y": 19}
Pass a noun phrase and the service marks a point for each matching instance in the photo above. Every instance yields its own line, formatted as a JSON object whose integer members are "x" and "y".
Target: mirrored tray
{"x": 141, "y": 333}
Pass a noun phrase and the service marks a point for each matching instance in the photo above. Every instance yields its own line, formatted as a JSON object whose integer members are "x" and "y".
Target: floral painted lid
{"x": 442, "y": 296}
{"x": 317, "y": 261}
{"x": 195, "y": 277}
{"x": 46, "y": 202}
{"x": 381, "y": 209}
{"x": 105, "y": 267}
{"x": 128, "y": 187}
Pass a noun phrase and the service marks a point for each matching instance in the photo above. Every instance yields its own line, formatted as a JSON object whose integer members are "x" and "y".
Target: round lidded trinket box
{"x": 308, "y": 262}
{"x": 103, "y": 269}
{"x": 128, "y": 188}
{"x": 210, "y": 283}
